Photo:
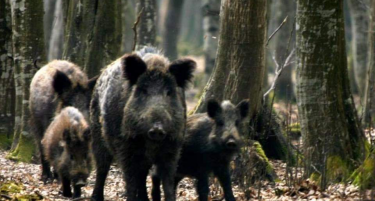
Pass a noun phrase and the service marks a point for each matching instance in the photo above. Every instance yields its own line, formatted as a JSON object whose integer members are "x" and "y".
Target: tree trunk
{"x": 329, "y": 124}
{"x": 128, "y": 18}
{"x": 28, "y": 45}
{"x": 104, "y": 40}
{"x": 279, "y": 44}
{"x": 146, "y": 29}
{"x": 7, "y": 94}
{"x": 192, "y": 25}
{"x": 56, "y": 42}
{"x": 172, "y": 28}
{"x": 360, "y": 22}
{"x": 48, "y": 21}
{"x": 94, "y": 35}
{"x": 211, "y": 24}
{"x": 369, "y": 99}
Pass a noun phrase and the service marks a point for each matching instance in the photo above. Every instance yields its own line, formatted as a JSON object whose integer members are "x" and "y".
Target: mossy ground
{"x": 5, "y": 142}
{"x": 24, "y": 151}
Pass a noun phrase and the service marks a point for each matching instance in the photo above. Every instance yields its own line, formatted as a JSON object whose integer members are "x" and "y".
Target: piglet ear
{"x": 133, "y": 67}
{"x": 61, "y": 83}
{"x": 213, "y": 108}
{"x": 243, "y": 108}
{"x": 182, "y": 70}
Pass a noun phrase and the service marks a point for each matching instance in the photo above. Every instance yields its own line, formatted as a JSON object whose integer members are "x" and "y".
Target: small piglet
{"x": 211, "y": 141}
{"x": 66, "y": 146}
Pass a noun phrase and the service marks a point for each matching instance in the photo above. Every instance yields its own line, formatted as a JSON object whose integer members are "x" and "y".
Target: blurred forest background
{"x": 307, "y": 68}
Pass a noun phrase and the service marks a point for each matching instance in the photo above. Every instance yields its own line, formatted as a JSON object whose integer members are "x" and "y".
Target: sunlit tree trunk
{"x": 56, "y": 40}
{"x": 28, "y": 45}
{"x": 7, "y": 95}
{"x": 48, "y": 21}
{"x": 172, "y": 26}
{"x": 360, "y": 22}
{"x": 211, "y": 25}
{"x": 146, "y": 29}
{"x": 333, "y": 138}
{"x": 93, "y": 33}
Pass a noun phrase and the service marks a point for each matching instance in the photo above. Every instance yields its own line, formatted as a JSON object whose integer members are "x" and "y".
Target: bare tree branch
{"x": 135, "y": 28}
{"x": 277, "y": 29}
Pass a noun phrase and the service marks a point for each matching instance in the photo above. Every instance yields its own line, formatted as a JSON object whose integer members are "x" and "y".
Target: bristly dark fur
{"x": 206, "y": 148}
{"x": 127, "y": 110}
{"x": 183, "y": 70}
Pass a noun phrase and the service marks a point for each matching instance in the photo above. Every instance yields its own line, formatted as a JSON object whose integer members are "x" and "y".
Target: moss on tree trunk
{"x": 333, "y": 139}
{"x": 28, "y": 45}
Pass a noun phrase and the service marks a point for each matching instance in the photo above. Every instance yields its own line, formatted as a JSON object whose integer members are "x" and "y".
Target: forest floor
{"x": 17, "y": 179}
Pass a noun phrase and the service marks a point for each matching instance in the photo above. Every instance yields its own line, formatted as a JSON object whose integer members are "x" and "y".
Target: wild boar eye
{"x": 71, "y": 157}
{"x": 237, "y": 122}
{"x": 220, "y": 123}
{"x": 169, "y": 92}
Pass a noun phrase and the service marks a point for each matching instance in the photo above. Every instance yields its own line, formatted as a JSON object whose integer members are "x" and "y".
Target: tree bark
{"x": 28, "y": 45}
{"x": 98, "y": 41}
{"x": 48, "y": 21}
{"x": 279, "y": 44}
{"x": 329, "y": 124}
{"x": 211, "y": 24}
{"x": 7, "y": 94}
{"x": 128, "y": 18}
{"x": 192, "y": 25}
{"x": 146, "y": 29}
{"x": 56, "y": 40}
{"x": 172, "y": 28}
{"x": 360, "y": 23}
{"x": 369, "y": 98}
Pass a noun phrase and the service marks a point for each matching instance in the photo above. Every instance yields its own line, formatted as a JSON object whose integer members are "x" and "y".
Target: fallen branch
{"x": 6, "y": 196}
{"x": 135, "y": 28}
{"x": 277, "y": 29}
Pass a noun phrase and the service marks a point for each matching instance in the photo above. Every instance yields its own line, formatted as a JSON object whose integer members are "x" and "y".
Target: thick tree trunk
{"x": 28, "y": 45}
{"x": 360, "y": 21}
{"x": 172, "y": 26}
{"x": 7, "y": 94}
{"x": 146, "y": 29}
{"x": 279, "y": 44}
{"x": 94, "y": 35}
{"x": 56, "y": 41}
{"x": 369, "y": 98}
{"x": 329, "y": 124}
{"x": 211, "y": 24}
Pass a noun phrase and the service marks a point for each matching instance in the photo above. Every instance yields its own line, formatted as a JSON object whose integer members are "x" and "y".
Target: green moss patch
{"x": 24, "y": 150}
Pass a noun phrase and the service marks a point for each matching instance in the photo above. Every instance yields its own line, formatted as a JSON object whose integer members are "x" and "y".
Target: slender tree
{"x": 56, "y": 40}
{"x": 28, "y": 45}
{"x": 48, "y": 21}
{"x": 360, "y": 22}
{"x": 172, "y": 28}
{"x": 146, "y": 29}
{"x": 333, "y": 138}
{"x": 7, "y": 94}
{"x": 211, "y": 24}
{"x": 128, "y": 18}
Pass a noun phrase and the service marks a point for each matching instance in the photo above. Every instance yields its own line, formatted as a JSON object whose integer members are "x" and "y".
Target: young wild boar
{"x": 211, "y": 141}
{"x": 56, "y": 85}
{"x": 139, "y": 104}
{"x": 66, "y": 146}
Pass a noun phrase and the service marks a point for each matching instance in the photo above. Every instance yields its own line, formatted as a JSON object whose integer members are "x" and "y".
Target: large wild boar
{"x": 139, "y": 104}
{"x": 211, "y": 141}
{"x": 66, "y": 145}
{"x": 55, "y": 86}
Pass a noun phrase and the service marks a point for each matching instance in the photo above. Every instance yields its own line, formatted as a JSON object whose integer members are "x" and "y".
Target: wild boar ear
{"x": 243, "y": 108}
{"x": 61, "y": 83}
{"x": 87, "y": 134}
{"x": 133, "y": 67}
{"x": 214, "y": 109}
{"x": 66, "y": 137}
{"x": 182, "y": 70}
{"x": 91, "y": 82}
